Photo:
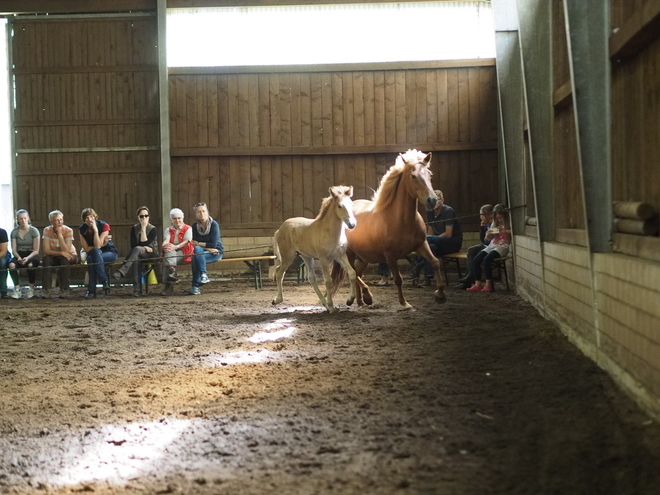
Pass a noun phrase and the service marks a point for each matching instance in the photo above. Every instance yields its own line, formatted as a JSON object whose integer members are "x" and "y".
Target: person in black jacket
{"x": 144, "y": 245}
{"x": 486, "y": 217}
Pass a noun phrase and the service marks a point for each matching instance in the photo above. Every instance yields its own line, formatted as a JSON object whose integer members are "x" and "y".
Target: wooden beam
{"x": 577, "y": 237}
{"x": 638, "y": 31}
{"x": 562, "y": 96}
{"x": 330, "y": 150}
{"x": 74, "y": 6}
{"x": 184, "y": 4}
{"x": 259, "y": 69}
{"x": 637, "y": 245}
{"x": 87, "y": 69}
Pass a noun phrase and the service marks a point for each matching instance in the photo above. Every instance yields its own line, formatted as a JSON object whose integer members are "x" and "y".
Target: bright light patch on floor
{"x": 120, "y": 452}
{"x": 240, "y": 357}
{"x": 279, "y": 329}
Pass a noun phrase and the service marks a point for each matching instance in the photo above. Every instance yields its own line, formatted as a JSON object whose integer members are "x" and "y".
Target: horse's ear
{"x": 349, "y": 191}
{"x": 427, "y": 160}
{"x": 333, "y": 193}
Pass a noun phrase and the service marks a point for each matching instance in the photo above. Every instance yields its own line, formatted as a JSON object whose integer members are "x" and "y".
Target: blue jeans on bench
{"x": 200, "y": 259}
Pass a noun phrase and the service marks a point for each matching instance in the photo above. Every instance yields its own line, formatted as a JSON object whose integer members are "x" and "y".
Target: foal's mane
{"x": 325, "y": 207}
{"x": 385, "y": 194}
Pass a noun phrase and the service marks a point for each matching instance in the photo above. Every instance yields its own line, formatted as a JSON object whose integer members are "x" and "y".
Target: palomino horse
{"x": 390, "y": 227}
{"x": 323, "y": 238}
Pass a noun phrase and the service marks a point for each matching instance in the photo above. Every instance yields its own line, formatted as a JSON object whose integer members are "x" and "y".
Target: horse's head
{"x": 416, "y": 169}
{"x": 344, "y": 204}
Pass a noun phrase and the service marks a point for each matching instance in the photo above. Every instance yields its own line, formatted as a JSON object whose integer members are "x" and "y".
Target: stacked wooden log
{"x": 635, "y": 218}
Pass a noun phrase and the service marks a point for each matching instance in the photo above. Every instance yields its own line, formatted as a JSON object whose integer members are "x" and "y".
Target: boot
{"x": 169, "y": 289}
{"x": 171, "y": 274}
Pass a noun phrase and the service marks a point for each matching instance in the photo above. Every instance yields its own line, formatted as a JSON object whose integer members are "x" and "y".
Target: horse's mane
{"x": 385, "y": 194}
{"x": 325, "y": 207}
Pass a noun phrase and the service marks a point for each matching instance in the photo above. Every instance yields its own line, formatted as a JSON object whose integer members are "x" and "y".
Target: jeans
{"x": 383, "y": 270}
{"x": 96, "y": 267}
{"x": 440, "y": 246}
{"x": 486, "y": 258}
{"x": 4, "y": 261}
{"x": 471, "y": 253}
{"x": 199, "y": 261}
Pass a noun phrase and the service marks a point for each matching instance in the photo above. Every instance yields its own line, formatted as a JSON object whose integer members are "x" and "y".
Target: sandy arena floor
{"x": 224, "y": 393}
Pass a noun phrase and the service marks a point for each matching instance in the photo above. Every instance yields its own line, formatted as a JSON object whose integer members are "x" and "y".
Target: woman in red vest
{"x": 177, "y": 248}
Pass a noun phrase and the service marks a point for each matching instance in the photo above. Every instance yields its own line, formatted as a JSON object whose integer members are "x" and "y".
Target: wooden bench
{"x": 499, "y": 263}
{"x": 253, "y": 262}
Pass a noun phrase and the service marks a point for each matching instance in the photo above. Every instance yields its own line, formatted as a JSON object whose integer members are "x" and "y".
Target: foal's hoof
{"x": 349, "y": 301}
{"x": 275, "y": 301}
{"x": 368, "y": 300}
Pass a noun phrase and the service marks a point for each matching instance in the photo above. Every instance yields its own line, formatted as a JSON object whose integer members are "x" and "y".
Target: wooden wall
{"x": 605, "y": 302}
{"x": 86, "y": 118}
{"x": 262, "y": 146}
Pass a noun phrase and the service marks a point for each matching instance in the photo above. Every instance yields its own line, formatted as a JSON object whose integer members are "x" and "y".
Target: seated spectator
{"x": 177, "y": 249}
{"x": 445, "y": 237}
{"x": 486, "y": 217}
{"x": 208, "y": 246}
{"x": 58, "y": 251}
{"x": 384, "y": 271}
{"x": 25, "y": 246}
{"x": 96, "y": 241}
{"x": 499, "y": 237}
{"x": 144, "y": 245}
{"x": 4, "y": 262}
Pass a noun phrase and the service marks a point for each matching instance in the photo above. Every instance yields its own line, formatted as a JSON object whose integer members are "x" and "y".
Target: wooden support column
{"x": 164, "y": 104}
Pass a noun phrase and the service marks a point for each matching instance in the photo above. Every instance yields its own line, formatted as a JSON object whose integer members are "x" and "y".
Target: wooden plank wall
{"x": 86, "y": 118}
{"x": 569, "y": 204}
{"x": 263, "y": 147}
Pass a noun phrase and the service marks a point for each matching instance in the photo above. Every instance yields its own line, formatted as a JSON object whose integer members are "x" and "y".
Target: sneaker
{"x": 46, "y": 294}
{"x": 205, "y": 278}
{"x": 487, "y": 288}
{"x": 474, "y": 288}
{"x": 195, "y": 291}
{"x": 16, "y": 294}
{"x": 30, "y": 293}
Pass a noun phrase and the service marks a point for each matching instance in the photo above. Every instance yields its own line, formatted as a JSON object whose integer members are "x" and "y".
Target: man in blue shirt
{"x": 445, "y": 236}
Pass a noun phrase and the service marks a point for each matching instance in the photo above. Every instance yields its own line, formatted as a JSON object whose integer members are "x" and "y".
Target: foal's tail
{"x": 338, "y": 274}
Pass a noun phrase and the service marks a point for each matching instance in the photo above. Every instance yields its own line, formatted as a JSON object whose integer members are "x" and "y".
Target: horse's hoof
{"x": 349, "y": 302}
{"x": 275, "y": 301}
{"x": 406, "y": 307}
{"x": 440, "y": 298}
{"x": 368, "y": 300}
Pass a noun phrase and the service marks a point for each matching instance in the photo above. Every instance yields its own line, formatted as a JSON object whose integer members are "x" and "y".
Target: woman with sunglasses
{"x": 144, "y": 245}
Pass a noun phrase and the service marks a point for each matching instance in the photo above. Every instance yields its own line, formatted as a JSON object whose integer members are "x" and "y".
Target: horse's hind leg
{"x": 363, "y": 289}
{"x": 394, "y": 267}
{"x": 311, "y": 275}
{"x": 425, "y": 251}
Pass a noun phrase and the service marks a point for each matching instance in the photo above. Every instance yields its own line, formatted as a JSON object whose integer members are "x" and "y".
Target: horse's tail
{"x": 338, "y": 274}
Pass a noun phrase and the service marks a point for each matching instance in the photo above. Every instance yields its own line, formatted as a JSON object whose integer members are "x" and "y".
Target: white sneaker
{"x": 30, "y": 293}
{"x": 205, "y": 279}
{"x": 16, "y": 294}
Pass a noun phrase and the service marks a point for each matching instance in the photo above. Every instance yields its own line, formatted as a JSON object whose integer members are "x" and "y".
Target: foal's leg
{"x": 425, "y": 251}
{"x": 326, "y": 266}
{"x": 311, "y": 275}
{"x": 394, "y": 268}
{"x": 285, "y": 259}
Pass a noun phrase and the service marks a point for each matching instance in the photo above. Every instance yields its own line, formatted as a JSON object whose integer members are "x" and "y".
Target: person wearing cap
{"x": 486, "y": 217}
{"x": 208, "y": 247}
